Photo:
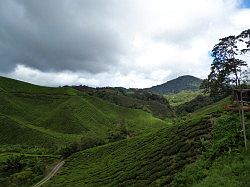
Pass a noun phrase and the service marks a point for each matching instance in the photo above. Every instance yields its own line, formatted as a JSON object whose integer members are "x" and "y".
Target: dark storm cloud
{"x": 59, "y": 35}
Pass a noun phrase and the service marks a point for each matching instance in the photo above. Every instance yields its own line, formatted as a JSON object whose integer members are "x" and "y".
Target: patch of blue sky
{"x": 245, "y": 4}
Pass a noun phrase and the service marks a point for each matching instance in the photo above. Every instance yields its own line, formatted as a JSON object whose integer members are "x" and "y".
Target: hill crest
{"x": 186, "y": 82}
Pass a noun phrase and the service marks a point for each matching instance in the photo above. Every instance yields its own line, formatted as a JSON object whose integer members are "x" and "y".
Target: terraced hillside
{"x": 147, "y": 160}
{"x": 58, "y": 116}
{"x": 38, "y": 125}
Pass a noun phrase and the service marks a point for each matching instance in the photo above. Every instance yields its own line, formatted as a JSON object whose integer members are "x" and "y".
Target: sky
{"x": 128, "y": 43}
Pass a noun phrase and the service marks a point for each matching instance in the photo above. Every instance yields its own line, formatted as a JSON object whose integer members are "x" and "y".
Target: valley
{"x": 106, "y": 141}
{"x": 128, "y": 93}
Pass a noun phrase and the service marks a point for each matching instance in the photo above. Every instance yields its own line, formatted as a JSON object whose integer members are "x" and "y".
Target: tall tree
{"x": 226, "y": 68}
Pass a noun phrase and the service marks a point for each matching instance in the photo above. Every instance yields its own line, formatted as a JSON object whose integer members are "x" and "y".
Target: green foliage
{"x": 227, "y": 65}
{"x": 13, "y": 132}
{"x": 200, "y": 149}
{"x": 22, "y": 169}
{"x": 118, "y": 133}
{"x": 36, "y": 121}
{"x": 14, "y": 163}
{"x": 226, "y": 139}
{"x": 84, "y": 143}
{"x": 14, "y": 86}
{"x": 22, "y": 178}
{"x": 182, "y": 97}
{"x": 193, "y": 105}
{"x": 54, "y": 118}
{"x": 229, "y": 170}
{"x": 157, "y": 105}
{"x": 148, "y": 160}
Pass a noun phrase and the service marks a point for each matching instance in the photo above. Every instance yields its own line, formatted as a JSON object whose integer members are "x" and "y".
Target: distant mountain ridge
{"x": 186, "y": 82}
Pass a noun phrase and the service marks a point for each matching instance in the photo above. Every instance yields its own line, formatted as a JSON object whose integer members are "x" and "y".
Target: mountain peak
{"x": 185, "y": 82}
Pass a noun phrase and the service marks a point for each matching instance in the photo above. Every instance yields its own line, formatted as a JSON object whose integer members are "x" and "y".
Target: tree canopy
{"x": 227, "y": 66}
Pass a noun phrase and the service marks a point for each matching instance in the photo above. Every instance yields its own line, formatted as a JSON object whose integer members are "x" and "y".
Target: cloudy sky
{"x": 129, "y": 43}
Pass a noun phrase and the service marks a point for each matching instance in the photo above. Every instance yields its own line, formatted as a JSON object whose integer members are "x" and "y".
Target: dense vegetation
{"x": 228, "y": 69}
{"x": 132, "y": 98}
{"x": 224, "y": 161}
{"x": 49, "y": 121}
{"x": 108, "y": 143}
{"x": 179, "y": 84}
{"x": 193, "y": 105}
{"x": 157, "y": 158}
{"x": 176, "y": 99}
{"x": 63, "y": 115}
{"x": 23, "y": 169}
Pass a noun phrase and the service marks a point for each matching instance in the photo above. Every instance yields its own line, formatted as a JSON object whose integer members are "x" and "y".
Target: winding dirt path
{"x": 50, "y": 175}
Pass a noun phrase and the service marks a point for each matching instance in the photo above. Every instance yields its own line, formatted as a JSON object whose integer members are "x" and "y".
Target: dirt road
{"x": 50, "y": 175}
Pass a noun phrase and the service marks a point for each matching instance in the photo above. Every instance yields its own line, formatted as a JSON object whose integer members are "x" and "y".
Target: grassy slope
{"x": 13, "y": 133}
{"x": 229, "y": 170}
{"x": 151, "y": 159}
{"x": 224, "y": 161}
{"x": 182, "y": 97}
{"x": 14, "y": 86}
{"x": 61, "y": 115}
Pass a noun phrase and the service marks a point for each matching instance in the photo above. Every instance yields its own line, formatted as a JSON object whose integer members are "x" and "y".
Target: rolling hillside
{"x": 38, "y": 124}
{"x": 156, "y": 159}
{"x": 62, "y": 115}
{"x": 143, "y": 161}
{"x": 179, "y": 84}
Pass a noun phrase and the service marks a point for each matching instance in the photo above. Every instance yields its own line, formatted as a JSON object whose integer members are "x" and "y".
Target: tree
{"x": 226, "y": 68}
{"x": 14, "y": 163}
{"x": 244, "y": 37}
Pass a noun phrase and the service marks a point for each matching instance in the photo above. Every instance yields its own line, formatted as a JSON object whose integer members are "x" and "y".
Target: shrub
{"x": 84, "y": 143}
{"x": 23, "y": 177}
{"x": 14, "y": 163}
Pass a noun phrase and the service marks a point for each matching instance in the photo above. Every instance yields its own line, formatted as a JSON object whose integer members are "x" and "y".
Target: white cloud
{"x": 35, "y": 76}
{"x": 164, "y": 39}
{"x": 132, "y": 79}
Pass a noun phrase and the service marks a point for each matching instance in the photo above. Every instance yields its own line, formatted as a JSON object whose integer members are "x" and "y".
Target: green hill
{"x": 116, "y": 145}
{"x": 179, "y": 84}
{"x": 156, "y": 159}
{"x": 144, "y": 161}
{"x": 63, "y": 115}
{"x": 14, "y": 86}
{"x": 13, "y": 132}
{"x": 157, "y": 105}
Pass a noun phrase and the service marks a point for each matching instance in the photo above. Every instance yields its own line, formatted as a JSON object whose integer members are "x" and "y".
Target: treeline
{"x": 132, "y": 98}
